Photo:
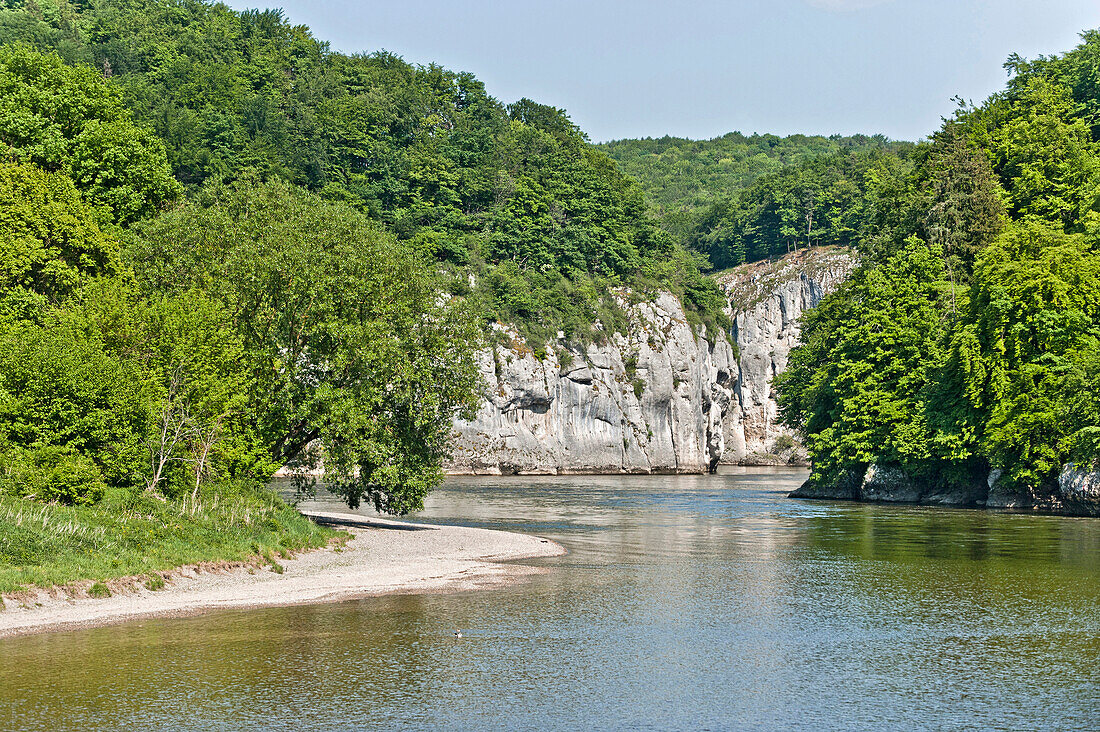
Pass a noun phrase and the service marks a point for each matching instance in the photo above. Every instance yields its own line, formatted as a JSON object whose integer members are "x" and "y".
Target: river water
{"x": 696, "y": 602}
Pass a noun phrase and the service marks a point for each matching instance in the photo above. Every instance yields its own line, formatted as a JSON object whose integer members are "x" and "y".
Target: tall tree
{"x": 347, "y": 344}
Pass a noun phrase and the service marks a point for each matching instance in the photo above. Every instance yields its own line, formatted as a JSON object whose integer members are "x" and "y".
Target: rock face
{"x": 650, "y": 401}
{"x": 891, "y": 484}
{"x": 766, "y": 300}
{"x": 659, "y": 399}
{"x": 1079, "y": 486}
{"x": 1077, "y": 492}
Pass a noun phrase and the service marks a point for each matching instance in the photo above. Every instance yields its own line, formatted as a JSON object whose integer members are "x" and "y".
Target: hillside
{"x": 512, "y": 194}
{"x": 682, "y": 175}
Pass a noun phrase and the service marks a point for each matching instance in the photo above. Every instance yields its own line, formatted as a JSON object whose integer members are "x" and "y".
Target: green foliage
{"x": 682, "y": 176}
{"x": 344, "y": 339}
{"x": 1041, "y": 150}
{"x": 1029, "y": 349}
{"x": 68, "y": 119}
{"x": 52, "y": 243}
{"x": 869, "y": 351}
{"x": 423, "y": 150}
{"x": 906, "y": 366}
{"x": 965, "y": 207}
{"x": 840, "y": 199}
{"x": 60, "y": 388}
{"x": 52, "y": 473}
{"x": 192, "y": 361}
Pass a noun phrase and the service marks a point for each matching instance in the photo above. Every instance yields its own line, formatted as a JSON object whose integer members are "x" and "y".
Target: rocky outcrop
{"x": 891, "y": 484}
{"x": 1079, "y": 488}
{"x": 1077, "y": 492}
{"x": 766, "y": 301}
{"x": 659, "y": 398}
{"x": 652, "y": 400}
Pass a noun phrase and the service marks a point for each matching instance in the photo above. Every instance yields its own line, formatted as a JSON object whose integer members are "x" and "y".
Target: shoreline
{"x": 383, "y": 557}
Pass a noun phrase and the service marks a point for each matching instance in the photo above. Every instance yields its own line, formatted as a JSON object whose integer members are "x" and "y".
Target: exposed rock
{"x": 766, "y": 301}
{"x": 652, "y": 400}
{"x": 1077, "y": 492}
{"x": 845, "y": 489}
{"x": 1001, "y": 495}
{"x": 1078, "y": 489}
{"x": 883, "y": 483}
{"x": 659, "y": 398}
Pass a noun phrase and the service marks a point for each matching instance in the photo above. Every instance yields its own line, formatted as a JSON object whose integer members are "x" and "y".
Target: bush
{"x": 51, "y": 474}
{"x": 783, "y": 443}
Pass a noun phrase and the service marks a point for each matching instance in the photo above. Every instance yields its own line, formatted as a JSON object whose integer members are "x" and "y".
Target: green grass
{"x": 134, "y": 533}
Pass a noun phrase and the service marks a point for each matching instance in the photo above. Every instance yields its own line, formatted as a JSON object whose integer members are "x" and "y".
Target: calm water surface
{"x": 684, "y": 603}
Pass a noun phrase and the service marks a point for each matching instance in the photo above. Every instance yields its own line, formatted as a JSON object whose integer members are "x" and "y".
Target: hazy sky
{"x": 701, "y": 69}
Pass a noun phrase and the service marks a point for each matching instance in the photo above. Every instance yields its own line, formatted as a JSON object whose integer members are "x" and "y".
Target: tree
{"x": 345, "y": 339}
{"x": 52, "y": 240}
{"x": 855, "y": 386}
{"x": 966, "y": 209}
{"x": 62, "y": 394}
{"x": 68, "y": 119}
{"x": 1043, "y": 153}
{"x": 1028, "y": 348}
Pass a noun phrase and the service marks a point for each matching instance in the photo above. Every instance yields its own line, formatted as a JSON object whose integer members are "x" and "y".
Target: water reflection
{"x": 684, "y": 603}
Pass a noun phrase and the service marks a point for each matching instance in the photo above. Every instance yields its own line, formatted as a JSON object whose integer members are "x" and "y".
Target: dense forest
{"x": 739, "y": 199}
{"x": 681, "y": 175}
{"x": 511, "y": 194}
{"x": 228, "y": 249}
{"x": 844, "y": 198}
{"x": 969, "y": 340}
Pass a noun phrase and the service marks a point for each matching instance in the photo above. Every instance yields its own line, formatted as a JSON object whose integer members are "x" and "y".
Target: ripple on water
{"x": 686, "y": 602}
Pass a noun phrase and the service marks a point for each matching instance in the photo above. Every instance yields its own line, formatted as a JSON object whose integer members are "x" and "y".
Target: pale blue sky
{"x": 701, "y": 69}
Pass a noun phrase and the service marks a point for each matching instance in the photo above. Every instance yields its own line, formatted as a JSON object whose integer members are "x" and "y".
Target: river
{"x": 685, "y": 602}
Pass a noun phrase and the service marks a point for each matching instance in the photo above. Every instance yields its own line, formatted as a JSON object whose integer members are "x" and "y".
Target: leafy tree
{"x": 856, "y": 384}
{"x": 966, "y": 211}
{"x": 62, "y": 394}
{"x": 52, "y": 240}
{"x": 1042, "y": 152}
{"x": 68, "y": 119}
{"x": 192, "y": 361}
{"x": 345, "y": 341}
{"x": 1028, "y": 347}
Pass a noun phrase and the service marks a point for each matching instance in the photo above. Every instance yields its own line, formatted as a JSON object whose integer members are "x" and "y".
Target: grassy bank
{"x": 136, "y": 533}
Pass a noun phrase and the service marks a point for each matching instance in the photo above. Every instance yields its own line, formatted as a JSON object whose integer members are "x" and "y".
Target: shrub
{"x": 51, "y": 474}
{"x": 783, "y": 443}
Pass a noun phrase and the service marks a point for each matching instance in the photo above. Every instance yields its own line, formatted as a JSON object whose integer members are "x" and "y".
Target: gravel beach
{"x": 382, "y": 557}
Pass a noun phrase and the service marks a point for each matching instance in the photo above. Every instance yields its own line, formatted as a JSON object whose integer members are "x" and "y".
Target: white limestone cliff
{"x": 658, "y": 399}
{"x": 766, "y": 301}
{"x": 650, "y": 401}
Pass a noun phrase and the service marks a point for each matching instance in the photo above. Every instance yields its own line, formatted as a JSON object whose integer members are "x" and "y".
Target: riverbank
{"x": 1077, "y": 492}
{"x": 382, "y": 557}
